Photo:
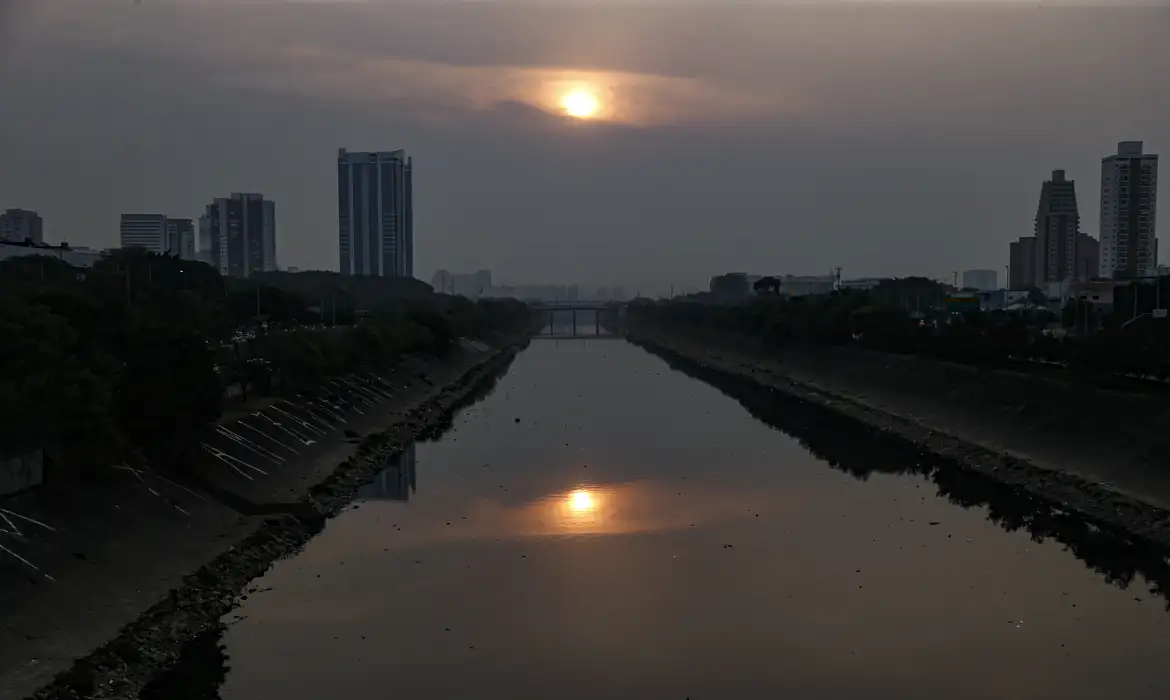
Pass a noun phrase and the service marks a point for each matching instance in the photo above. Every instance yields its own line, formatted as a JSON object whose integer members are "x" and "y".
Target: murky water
{"x": 604, "y": 526}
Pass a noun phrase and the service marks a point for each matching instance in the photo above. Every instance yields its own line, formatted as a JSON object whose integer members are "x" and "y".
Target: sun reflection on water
{"x": 581, "y": 508}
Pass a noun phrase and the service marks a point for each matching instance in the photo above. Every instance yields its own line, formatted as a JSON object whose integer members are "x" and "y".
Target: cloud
{"x": 427, "y": 87}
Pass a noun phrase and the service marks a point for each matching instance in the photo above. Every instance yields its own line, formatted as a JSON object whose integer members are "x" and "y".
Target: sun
{"x": 581, "y": 501}
{"x": 581, "y": 104}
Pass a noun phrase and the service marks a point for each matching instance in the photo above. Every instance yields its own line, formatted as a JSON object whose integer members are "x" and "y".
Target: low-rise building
{"x": 981, "y": 280}
{"x": 862, "y": 283}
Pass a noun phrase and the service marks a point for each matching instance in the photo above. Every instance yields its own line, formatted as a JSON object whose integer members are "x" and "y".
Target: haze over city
{"x": 886, "y": 140}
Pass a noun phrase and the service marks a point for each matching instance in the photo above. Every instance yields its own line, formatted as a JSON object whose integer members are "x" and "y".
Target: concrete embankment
{"x": 136, "y": 564}
{"x": 1103, "y": 454}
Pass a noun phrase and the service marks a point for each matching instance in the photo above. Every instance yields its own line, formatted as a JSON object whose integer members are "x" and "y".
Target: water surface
{"x": 604, "y": 526}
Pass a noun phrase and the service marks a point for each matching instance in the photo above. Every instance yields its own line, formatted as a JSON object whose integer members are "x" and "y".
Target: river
{"x": 603, "y": 525}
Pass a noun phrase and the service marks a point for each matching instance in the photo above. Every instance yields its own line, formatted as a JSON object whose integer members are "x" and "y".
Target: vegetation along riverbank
{"x": 1088, "y": 443}
{"x": 186, "y": 423}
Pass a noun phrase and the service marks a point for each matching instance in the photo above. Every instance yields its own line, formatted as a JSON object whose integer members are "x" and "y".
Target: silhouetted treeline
{"x": 128, "y": 361}
{"x": 904, "y": 319}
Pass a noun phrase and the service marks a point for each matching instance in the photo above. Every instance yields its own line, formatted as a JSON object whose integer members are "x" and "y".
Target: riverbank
{"x": 151, "y": 564}
{"x": 1096, "y": 452}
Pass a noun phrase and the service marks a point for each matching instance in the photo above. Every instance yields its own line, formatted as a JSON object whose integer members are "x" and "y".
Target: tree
{"x": 767, "y": 284}
{"x": 1037, "y": 297}
{"x": 51, "y": 395}
{"x": 167, "y": 391}
{"x": 730, "y": 287}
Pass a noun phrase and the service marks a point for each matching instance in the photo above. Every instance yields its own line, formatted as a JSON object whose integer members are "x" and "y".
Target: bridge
{"x": 614, "y": 310}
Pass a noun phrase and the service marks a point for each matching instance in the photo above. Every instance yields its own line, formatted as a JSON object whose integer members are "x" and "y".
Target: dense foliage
{"x": 904, "y": 317}
{"x": 129, "y": 360}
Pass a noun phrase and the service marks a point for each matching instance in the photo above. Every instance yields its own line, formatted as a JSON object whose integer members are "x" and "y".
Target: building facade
{"x": 145, "y": 231}
{"x": 22, "y": 226}
{"x": 375, "y": 212}
{"x": 181, "y": 238}
{"x": 1057, "y": 225}
{"x": 982, "y": 280}
{"x": 1022, "y": 270}
{"x": 1088, "y": 257}
{"x": 240, "y": 232}
{"x": 441, "y": 282}
{"x": 1129, "y": 204}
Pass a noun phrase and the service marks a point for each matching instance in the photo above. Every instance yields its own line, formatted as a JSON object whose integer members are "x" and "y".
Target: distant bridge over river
{"x": 607, "y": 318}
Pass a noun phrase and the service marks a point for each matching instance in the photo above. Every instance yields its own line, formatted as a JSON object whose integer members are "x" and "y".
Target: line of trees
{"x": 903, "y": 316}
{"x": 128, "y": 361}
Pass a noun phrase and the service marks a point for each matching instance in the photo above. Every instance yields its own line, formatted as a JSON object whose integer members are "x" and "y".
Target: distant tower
{"x": 1129, "y": 204}
{"x": 375, "y": 211}
{"x": 1057, "y": 225}
{"x": 241, "y": 231}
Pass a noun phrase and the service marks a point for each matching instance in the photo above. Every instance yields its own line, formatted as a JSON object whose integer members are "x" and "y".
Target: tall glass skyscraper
{"x": 375, "y": 214}
{"x": 241, "y": 232}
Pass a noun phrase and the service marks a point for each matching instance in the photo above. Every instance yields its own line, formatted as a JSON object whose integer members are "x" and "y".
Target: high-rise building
{"x": 146, "y": 231}
{"x": 1057, "y": 225}
{"x": 441, "y": 282}
{"x": 20, "y": 225}
{"x": 1022, "y": 271}
{"x": 181, "y": 238}
{"x": 1088, "y": 257}
{"x": 241, "y": 233}
{"x": 375, "y": 213}
{"x": 1129, "y": 203}
{"x": 207, "y": 249}
{"x": 983, "y": 280}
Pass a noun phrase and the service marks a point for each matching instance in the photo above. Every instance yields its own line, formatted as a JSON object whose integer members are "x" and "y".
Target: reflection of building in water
{"x": 397, "y": 481}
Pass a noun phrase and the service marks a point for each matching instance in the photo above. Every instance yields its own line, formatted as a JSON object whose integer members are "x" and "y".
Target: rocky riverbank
{"x": 1032, "y": 435}
{"x": 139, "y": 592}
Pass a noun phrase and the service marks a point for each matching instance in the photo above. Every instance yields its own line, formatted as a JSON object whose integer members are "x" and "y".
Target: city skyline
{"x": 634, "y": 197}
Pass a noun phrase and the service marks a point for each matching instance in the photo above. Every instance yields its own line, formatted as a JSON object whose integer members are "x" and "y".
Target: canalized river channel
{"x": 605, "y": 525}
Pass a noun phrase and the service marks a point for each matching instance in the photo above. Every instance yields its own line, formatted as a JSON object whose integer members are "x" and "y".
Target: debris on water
{"x": 935, "y": 522}
{"x": 517, "y": 420}
{"x": 728, "y": 546}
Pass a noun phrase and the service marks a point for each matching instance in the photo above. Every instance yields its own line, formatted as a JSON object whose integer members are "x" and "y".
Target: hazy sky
{"x": 883, "y": 138}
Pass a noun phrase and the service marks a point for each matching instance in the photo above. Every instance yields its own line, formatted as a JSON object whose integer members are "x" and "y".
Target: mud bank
{"x": 1092, "y": 452}
{"x": 126, "y": 577}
